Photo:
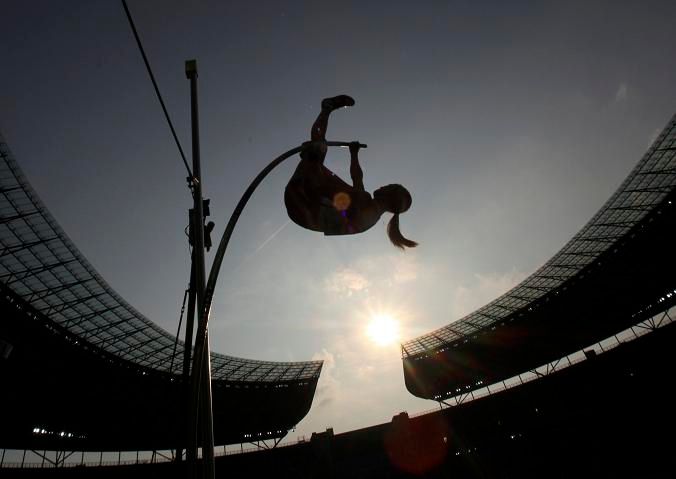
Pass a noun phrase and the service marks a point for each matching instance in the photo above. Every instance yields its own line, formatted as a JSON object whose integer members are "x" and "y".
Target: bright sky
{"x": 510, "y": 122}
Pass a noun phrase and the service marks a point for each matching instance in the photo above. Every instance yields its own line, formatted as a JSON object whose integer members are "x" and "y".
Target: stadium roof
{"x": 53, "y": 301}
{"x": 42, "y": 265}
{"x": 621, "y": 236}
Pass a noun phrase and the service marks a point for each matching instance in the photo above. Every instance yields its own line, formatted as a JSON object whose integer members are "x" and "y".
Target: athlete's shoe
{"x": 336, "y": 102}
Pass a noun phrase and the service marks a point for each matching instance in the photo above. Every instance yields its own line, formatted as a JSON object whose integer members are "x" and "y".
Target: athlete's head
{"x": 395, "y": 199}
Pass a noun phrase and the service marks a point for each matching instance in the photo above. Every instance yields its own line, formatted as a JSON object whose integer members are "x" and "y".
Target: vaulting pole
{"x": 225, "y": 239}
{"x": 201, "y": 357}
{"x": 200, "y": 404}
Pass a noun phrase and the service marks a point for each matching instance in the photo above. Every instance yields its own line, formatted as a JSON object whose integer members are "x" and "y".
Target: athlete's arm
{"x": 355, "y": 169}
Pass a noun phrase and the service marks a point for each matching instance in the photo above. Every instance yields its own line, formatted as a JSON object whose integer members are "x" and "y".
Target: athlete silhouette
{"x": 318, "y": 200}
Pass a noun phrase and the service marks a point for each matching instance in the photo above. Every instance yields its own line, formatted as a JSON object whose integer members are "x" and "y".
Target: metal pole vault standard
{"x": 201, "y": 375}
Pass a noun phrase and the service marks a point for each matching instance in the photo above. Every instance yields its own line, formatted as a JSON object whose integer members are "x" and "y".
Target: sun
{"x": 383, "y": 330}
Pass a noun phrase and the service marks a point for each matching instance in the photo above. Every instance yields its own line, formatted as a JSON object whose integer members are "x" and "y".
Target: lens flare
{"x": 383, "y": 330}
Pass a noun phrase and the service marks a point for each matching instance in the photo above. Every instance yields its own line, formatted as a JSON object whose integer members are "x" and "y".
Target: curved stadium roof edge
{"x": 645, "y": 189}
{"x": 41, "y": 265}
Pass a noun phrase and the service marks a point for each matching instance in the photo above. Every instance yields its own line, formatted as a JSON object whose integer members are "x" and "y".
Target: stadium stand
{"x": 613, "y": 274}
{"x": 604, "y": 416}
{"x": 110, "y": 374}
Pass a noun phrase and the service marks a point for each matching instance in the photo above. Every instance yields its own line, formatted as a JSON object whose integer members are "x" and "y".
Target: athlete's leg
{"x": 356, "y": 172}
{"x": 318, "y": 131}
{"x": 302, "y": 210}
{"x": 312, "y": 182}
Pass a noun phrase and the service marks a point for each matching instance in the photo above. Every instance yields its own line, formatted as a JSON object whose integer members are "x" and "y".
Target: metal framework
{"x": 643, "y": 191}
{"x": 63, "y": 459}
{"x": 650, "y": 325}
{"x": 41, "y": 264}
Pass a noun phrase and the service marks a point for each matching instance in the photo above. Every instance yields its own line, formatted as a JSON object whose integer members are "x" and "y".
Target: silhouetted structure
{"x": 616, "y": 272}
{"x": 108, "y": 372}
{"x": 603, "y": 417}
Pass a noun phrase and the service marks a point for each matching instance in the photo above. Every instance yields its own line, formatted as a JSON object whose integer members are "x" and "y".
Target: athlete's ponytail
{"x": 395, "y": 235}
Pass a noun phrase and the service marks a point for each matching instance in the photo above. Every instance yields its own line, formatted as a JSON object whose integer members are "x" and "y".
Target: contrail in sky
{"x": 262, "y": 245}
{"x": 272, "y": 236}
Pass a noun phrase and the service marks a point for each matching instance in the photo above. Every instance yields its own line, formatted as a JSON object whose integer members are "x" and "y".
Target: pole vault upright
{"x": 200, "y": 380}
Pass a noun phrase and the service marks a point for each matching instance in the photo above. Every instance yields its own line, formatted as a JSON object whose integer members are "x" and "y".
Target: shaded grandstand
{"x": 112, "y": 377}
{"x": 600, "y": 417}
{"x": 616, "y": 272}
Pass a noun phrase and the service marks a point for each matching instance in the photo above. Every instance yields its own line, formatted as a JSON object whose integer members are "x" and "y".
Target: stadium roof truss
{"x": 41, "y": 264}
{"x": 438, "y": 361}
{"x": 644, "y": 189}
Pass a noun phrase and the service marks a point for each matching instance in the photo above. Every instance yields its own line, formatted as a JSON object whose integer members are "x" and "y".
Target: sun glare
{"x": 383, "y": 330}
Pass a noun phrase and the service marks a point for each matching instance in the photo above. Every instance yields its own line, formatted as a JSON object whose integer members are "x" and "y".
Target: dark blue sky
{"x": 510, "y": 122}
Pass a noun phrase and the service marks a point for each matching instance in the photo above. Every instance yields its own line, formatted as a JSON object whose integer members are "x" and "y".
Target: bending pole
{"x": 225, "y": 239}
{"x": 201, "y": 353}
